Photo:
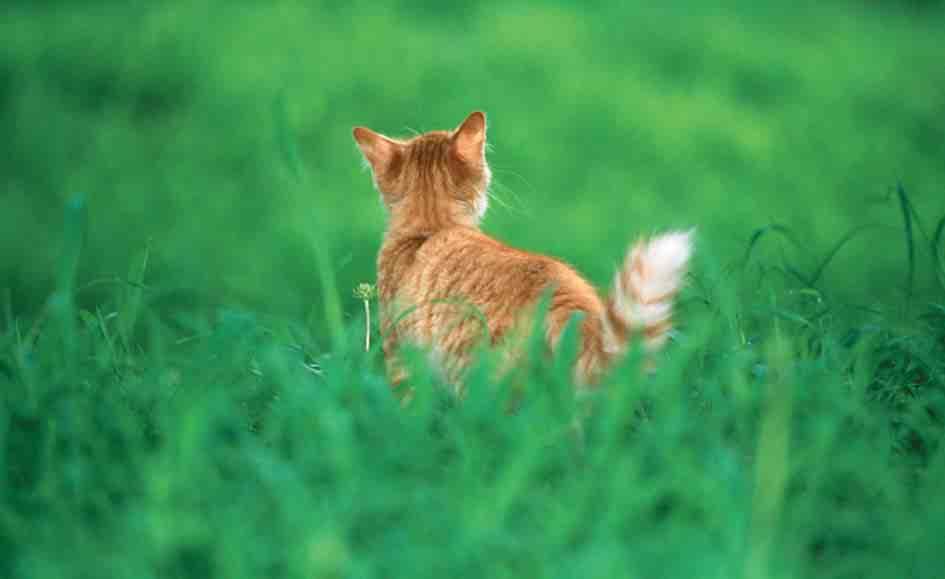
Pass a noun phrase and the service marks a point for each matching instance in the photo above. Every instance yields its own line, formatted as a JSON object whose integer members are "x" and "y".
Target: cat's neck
{"x": 417, "y": 235}
{"x": 400, "y": 228}
{"x": 426, "y": 213}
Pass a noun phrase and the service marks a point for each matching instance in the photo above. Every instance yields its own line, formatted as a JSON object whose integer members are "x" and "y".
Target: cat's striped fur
{"x": 438, "y": 275}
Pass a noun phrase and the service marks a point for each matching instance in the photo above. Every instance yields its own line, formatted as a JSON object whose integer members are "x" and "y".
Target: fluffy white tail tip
{"x": 652, "y": 275}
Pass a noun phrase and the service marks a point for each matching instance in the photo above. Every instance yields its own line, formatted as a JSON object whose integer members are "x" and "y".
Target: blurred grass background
{"x": 185, "y": 123}
{"x": 178, "y": 401}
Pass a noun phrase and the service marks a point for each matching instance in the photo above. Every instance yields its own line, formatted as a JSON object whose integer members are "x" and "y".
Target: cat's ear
{"x": 377, "y": 149}
{"x": 469, "y": 139}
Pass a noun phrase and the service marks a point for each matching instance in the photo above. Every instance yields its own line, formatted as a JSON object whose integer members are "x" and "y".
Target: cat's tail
{"x": 641, "y": 302}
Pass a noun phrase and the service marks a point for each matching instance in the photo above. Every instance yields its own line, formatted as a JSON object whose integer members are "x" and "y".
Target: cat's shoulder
{"x": 461, "y": 235}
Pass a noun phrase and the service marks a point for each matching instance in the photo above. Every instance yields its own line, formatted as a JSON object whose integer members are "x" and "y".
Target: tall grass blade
{"x": 133, "y": 294}
{"x": 7, "y": 309}
{"x": 286, "y": 139}
{"x": 73, "y": 238}
{"x": 773, "y": 460}
{"x": 907, "y": 213}
{"x": 762, "y": 232}
{"x": 819, "y": 270}
{"x": 331, "y": 298}
{"x": 938, "y": 251}
{"x": 62, "y": 304}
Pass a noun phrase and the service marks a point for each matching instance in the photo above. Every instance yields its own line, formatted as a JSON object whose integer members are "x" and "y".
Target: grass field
{"x": 184, "y": 217}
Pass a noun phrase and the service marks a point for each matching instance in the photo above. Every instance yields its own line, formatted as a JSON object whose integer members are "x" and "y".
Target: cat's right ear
{"x": 469, "y": 139}
{"x": 378, "y": 150}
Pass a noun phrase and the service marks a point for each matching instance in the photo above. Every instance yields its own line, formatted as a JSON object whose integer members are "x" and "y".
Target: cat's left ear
{"x": 469, "y": 139}
{"x": 378, "y": 150}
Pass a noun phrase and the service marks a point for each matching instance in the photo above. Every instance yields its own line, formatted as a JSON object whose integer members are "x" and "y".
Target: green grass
{"x": 183, "y": 218}
{"x": 774, "y": 441}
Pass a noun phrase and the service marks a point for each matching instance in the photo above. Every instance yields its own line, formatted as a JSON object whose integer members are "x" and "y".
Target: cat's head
{"x": 434, "y": 180}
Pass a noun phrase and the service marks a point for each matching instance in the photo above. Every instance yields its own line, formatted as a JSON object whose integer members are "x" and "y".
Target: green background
{"x": 221, "y": 132}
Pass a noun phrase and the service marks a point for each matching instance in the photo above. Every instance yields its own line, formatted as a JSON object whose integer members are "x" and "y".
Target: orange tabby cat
{"x": 435, "y": 266}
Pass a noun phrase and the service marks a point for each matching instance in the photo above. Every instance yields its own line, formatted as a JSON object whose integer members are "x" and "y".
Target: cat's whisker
{"x": 498, "y": 192}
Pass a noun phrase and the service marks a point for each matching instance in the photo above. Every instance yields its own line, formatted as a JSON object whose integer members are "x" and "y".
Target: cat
{"x": 439, "y": 275}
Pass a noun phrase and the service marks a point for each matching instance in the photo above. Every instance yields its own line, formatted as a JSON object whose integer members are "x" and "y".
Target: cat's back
{"x": 466, "y": 252}
{"x": 466, "y": 262}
